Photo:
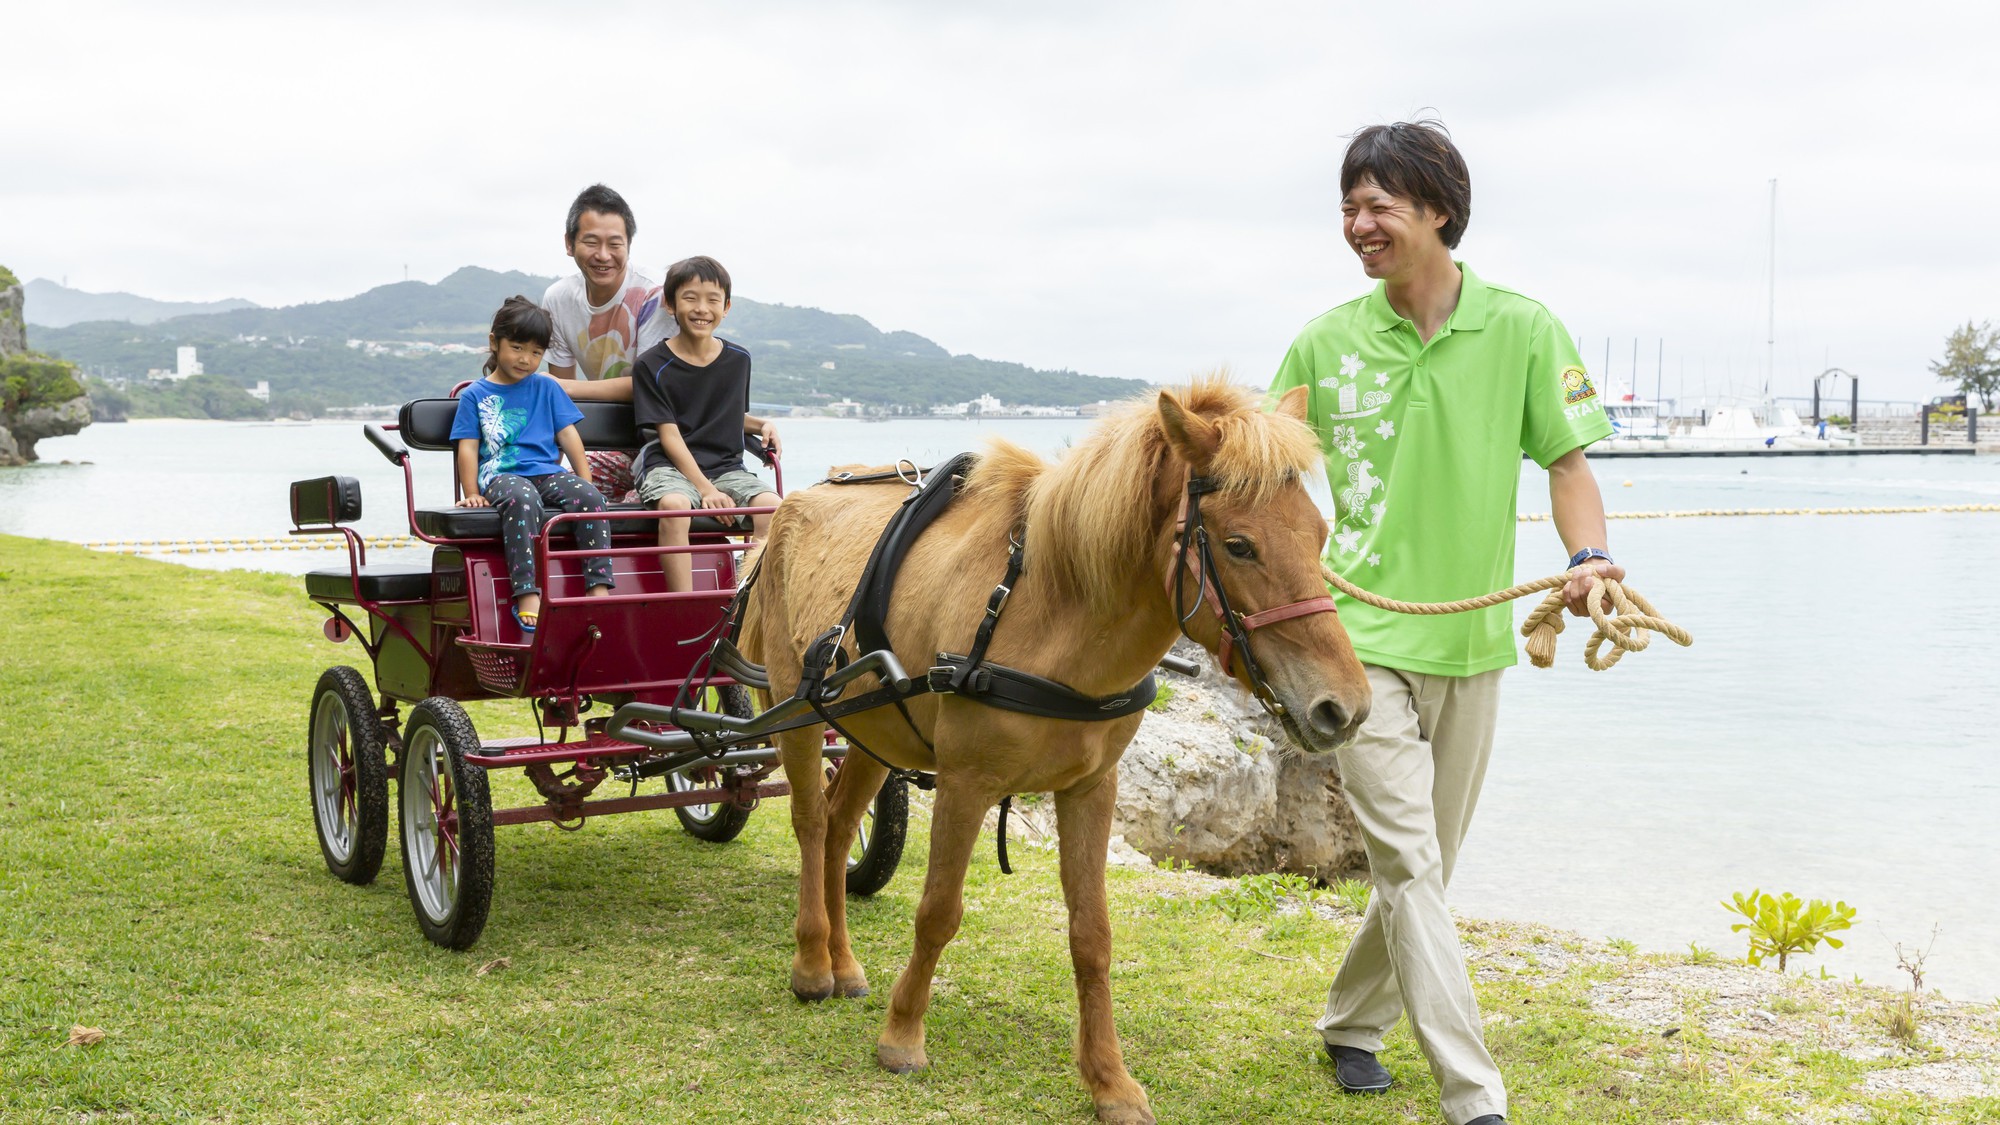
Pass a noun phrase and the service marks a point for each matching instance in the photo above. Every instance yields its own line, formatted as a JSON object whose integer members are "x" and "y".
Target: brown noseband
{"x": 1192, "y": 537}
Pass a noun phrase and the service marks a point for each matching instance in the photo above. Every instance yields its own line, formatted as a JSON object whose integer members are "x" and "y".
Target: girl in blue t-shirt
{"x": 509, "y": 428}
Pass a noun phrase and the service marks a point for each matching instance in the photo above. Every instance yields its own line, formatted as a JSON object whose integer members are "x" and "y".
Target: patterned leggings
{"x": 522, "y": 503}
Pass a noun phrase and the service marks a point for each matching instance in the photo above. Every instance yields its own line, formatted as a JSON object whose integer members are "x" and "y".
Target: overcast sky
{"x": 1140, "y": 190}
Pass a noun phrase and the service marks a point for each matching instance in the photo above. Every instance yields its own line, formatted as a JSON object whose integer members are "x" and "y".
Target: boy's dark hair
{"x": 604, "y": 201}
{"x": 1416, "y": 160}
{"x": 519, "y": 321}
{"x": 698, "y": 268}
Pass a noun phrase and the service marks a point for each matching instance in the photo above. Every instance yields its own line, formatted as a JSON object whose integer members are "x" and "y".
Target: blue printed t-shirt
{"x": 516, "y": 424}
{"x": 1423, "y": 444}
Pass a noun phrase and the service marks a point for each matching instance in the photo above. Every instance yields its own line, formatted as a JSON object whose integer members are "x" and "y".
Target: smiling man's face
{"x": 1393, "y": 235}
{"x": 600, "y": 247}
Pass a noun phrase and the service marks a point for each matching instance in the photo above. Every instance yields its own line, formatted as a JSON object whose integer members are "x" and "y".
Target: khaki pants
{"x": 1413, "y": 776}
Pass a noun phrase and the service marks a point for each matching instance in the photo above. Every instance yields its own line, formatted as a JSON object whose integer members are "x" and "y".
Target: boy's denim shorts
{"x": 740, "y": 485}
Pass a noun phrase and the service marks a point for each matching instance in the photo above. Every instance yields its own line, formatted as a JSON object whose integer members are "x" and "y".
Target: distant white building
{"x": 185, "y": 364}
{"x": 262, "y": 391}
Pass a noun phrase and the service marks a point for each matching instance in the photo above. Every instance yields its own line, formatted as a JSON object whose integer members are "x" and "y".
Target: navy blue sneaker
{"x": 1357, "y": 1071}
{"x": 1488, "y": 1119}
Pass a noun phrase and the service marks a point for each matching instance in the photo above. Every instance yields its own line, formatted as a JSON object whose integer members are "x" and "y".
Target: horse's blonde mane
{"x": 1097, "y": 501}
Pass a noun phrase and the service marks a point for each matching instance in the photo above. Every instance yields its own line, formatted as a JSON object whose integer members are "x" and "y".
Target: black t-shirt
{"x": 707, "y": 403}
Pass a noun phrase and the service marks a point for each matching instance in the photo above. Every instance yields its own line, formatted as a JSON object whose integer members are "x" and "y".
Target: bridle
{"x": 1191, "y": 536}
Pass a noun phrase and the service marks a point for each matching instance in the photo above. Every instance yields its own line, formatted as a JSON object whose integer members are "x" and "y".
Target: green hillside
{"x": 302, "y": 352}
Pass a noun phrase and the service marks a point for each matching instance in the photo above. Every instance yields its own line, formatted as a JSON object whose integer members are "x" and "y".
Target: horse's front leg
{"x": 955, "y": 820}
{"x": 1083, "y": 825}
{"x": 812, "y": 965}
{"x": 859, "y": 779}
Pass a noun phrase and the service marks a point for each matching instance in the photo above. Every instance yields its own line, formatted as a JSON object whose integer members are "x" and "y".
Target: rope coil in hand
{"x": 1628, "y": 625}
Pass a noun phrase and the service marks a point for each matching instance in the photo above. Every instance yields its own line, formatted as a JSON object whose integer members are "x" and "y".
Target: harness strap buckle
{"x": 999, "y": 600}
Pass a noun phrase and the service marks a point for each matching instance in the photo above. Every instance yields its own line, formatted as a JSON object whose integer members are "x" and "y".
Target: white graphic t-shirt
{"x": 601, "y": 341}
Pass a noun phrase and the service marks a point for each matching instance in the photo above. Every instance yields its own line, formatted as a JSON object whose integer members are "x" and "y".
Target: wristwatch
{"x": 1587, "y": 554}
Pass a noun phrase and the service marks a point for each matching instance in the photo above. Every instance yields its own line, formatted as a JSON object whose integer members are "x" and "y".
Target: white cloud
{"x": 1127, "y": 189}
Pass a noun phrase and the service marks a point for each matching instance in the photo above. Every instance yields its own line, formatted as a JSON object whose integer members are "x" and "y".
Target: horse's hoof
{"x": 1125, "y": 1115}
{"x": 900, "y": 1060}
{"x": 853, "y": 989}
{"x": 812, "y": 991}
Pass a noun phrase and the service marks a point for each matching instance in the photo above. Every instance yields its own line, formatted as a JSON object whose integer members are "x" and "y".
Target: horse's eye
{"x": 1240, "y": 547}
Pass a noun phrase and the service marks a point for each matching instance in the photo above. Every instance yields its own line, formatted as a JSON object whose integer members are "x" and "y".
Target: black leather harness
{"x": 969, "y": 675}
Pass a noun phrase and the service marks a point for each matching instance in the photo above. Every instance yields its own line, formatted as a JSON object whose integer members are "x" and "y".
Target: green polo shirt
{"x": 1423, "y": 452}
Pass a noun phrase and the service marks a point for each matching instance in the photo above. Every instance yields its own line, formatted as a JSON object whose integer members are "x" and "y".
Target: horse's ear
{"x": 1292, "y": 404}
{"x": 1193, "y": 437}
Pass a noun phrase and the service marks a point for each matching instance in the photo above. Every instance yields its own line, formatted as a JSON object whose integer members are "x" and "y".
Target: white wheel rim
{"x": 680, "y": 782}
{"x": 332, "y": 774}
{"x": 428, "y": 788}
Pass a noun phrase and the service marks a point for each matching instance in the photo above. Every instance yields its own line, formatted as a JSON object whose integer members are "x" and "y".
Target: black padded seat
{"x": 484, "y": 523}
{"x": 425, "y": 423}
{"x": 388, "y": 582}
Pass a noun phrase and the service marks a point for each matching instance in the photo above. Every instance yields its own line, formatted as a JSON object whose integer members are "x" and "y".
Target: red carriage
{"x": 439, "y": 635}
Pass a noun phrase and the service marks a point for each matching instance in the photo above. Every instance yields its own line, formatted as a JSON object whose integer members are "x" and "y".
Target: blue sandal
{"x": 525, "y": 627}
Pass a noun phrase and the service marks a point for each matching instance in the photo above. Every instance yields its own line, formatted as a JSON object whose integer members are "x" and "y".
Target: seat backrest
{"x": 425, "y": 423}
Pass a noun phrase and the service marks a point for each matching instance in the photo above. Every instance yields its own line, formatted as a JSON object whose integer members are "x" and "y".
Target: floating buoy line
{"x": 391, "y": 542}
{"x": 249, "y": 544}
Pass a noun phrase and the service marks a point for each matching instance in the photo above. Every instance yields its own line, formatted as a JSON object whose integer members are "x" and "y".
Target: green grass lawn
{"x": 159, "y": 879}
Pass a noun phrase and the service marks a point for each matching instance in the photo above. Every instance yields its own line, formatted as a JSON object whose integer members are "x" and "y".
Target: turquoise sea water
{"x": 1828, "y": 734}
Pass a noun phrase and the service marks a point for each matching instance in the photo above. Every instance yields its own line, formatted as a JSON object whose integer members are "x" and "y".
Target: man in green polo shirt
{"x": 1425, "y": 393}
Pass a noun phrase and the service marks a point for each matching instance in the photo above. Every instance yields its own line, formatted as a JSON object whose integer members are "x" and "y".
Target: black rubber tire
{"x": 343, "y": 722}
{"x": 717, "y": 824}
{"x": 879, "y": 856}
{"x": 450, "y": 899}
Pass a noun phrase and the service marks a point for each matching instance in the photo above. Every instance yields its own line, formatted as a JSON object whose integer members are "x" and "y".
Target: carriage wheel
{"x": 348, "y": 776}
{"x": 878, "y": 839}
{"x": 720, "y": 823}
{"x": 446, "y": 816}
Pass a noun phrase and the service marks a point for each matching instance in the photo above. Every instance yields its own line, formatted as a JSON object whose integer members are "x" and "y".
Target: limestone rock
{"x": 36, "y": 423}
{"x": 13, "y": 321}
{"x": 1214, "y": 783}
{"x": 27, "y": 416}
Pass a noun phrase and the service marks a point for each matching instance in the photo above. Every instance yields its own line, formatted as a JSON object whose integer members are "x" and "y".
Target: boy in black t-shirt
{"x": 695, "y": 388}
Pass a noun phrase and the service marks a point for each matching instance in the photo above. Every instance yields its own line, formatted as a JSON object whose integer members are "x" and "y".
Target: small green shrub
{"x": 1161, "y": 698}
{"x": 1353, "y": 894}
{"x": 1700, "y": 954}
{"x": 1784, "y": 925}
{"x": 1258, "y": 896}
{"x": 1624, "y": 947}
{"x": 29, "y": 380}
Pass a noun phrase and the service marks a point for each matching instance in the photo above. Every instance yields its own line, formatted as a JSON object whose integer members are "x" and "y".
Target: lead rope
{"x": 1628, "y": 625}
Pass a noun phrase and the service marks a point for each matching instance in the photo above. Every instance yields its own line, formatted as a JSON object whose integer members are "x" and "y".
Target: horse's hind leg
{"x": 859, "y": 779}
{"x": 812, "y": 966}
{"x": 1083, "y": 825}
{"x": 955, "y": 820}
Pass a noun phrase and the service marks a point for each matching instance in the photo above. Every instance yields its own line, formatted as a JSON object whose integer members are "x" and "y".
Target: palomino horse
{"x": 1094, "y": 608}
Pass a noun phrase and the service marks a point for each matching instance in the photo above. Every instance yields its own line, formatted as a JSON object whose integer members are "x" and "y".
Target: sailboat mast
{"x": 1771, "y": 308}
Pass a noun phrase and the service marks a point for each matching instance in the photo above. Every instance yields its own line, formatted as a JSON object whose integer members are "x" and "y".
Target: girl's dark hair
{"x": 1416, "y": 160}
{"x": 698, "y": 268}
{"x": 519, "y": 321}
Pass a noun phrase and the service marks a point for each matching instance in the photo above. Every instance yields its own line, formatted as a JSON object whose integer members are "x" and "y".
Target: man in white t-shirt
{"x": 603, "y": 316}
{"x": 608, "y": 312}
